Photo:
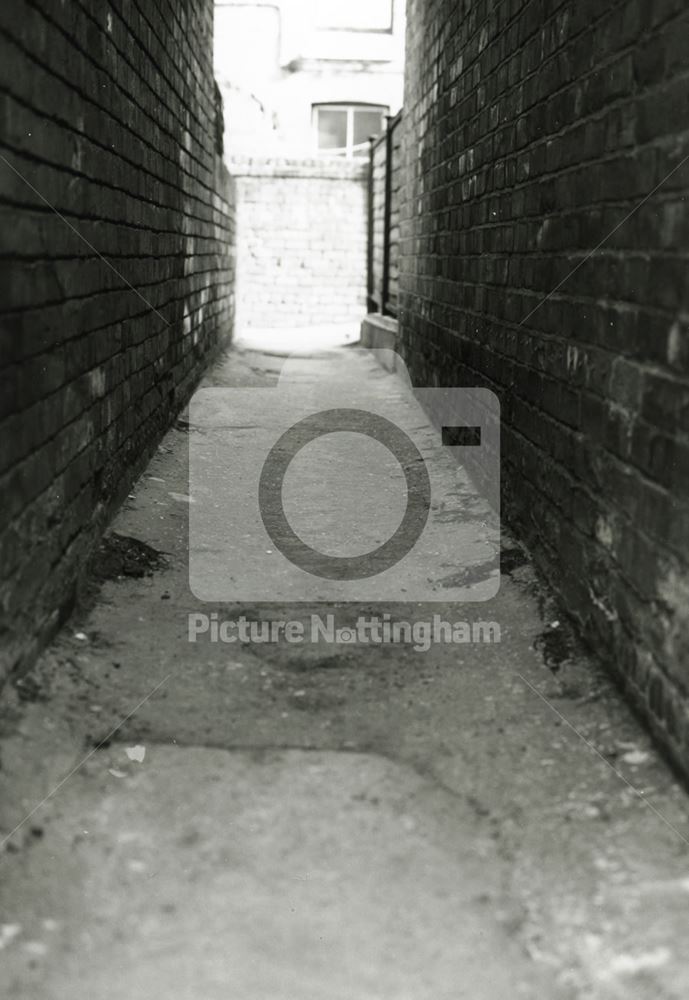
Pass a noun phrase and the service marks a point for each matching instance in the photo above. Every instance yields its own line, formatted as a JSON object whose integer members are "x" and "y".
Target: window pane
{"x": 332, "y": 129}
{"x": 357, "y": 15}
{"x": 367, "y": 123}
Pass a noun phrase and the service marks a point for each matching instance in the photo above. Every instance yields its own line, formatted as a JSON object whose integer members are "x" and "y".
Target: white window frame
{"x": 348, "y": 149}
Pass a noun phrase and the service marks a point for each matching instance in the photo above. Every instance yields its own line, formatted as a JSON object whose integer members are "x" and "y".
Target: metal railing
{"x": 384, "y": 219}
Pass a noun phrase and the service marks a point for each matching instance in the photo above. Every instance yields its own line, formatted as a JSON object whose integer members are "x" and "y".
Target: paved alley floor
{"x": 318, "y": 821}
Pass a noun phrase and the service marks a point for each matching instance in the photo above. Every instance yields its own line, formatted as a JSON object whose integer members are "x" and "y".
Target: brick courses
{"x": 533, "y": 128}
{"x": 301, "y": 241}
{"x": 108, "y": 112}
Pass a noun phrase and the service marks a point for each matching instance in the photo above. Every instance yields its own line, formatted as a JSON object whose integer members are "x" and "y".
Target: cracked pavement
{"x": 286, "y": 822}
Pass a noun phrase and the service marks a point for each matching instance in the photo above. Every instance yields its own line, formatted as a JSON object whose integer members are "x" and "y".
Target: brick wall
{"x": 108, "y": 118}
{"x": 532, "y": 130}
{"x": 301, "y": 242}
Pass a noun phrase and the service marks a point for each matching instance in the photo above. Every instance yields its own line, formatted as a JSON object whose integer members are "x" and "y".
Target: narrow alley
{"x": 280, "y": 820}
{"x": 344, "y": 468}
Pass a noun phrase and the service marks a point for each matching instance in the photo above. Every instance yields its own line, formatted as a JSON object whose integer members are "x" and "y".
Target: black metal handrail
{"x": 380, "y": 297}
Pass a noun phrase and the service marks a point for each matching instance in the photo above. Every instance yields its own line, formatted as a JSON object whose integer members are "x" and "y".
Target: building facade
{"x": 307, "y": 77}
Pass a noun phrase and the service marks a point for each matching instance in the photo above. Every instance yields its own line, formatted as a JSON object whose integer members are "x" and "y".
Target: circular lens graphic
{"x": 292, "y": 546}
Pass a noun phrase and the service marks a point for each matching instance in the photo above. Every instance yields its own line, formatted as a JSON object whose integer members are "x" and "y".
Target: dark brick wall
{"x": 108, "y": 117}
{"x": 533, "y": 128}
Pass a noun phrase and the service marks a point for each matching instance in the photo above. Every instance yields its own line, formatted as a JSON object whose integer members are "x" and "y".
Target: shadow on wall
{"x": 99, "y": 352}
{"x": 544, "y": 243}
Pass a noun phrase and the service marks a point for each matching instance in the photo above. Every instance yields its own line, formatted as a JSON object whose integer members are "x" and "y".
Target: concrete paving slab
{"x": 304, "y": 340}
{"x": 518, "y": 766}
{"x": 200, "y": 873}
{"x": 357, "y": 471}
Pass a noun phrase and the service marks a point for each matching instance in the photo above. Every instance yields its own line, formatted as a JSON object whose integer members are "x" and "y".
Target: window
{"x": 355, "y": 15}
{"x": 344, "y": 129}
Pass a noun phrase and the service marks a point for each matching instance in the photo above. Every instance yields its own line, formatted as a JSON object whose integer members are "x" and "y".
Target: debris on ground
{"x": 121, "y": 555}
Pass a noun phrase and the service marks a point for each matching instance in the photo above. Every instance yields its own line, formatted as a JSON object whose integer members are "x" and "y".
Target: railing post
{"x": 388, "y": 213}
{"x": 370, "y": 289}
